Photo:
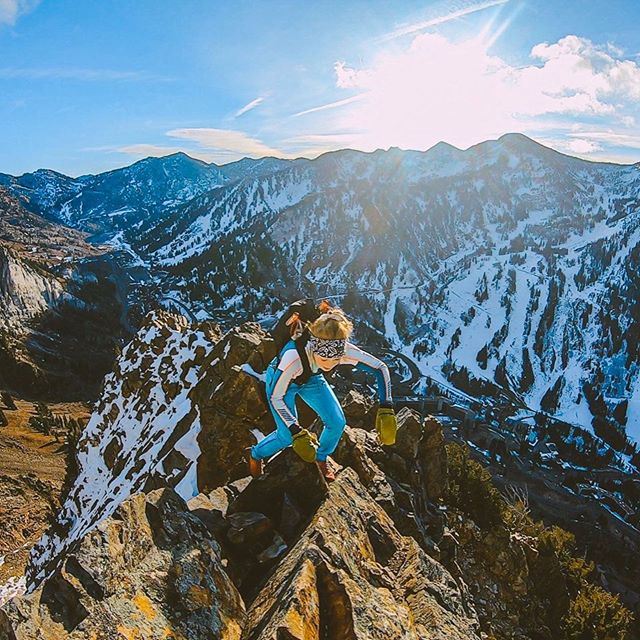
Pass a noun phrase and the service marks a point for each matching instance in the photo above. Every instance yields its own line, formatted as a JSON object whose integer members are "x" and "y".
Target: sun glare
{"x": 435, "y": 90}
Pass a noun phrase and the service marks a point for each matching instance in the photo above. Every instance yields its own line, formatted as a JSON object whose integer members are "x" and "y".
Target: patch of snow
{"x": 11, "y": 588}
{"x": 247, "y": 368}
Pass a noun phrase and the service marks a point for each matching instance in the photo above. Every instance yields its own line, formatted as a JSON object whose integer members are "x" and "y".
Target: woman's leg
{"x": 320, "y": 397}
{"x": 281, "y": 437}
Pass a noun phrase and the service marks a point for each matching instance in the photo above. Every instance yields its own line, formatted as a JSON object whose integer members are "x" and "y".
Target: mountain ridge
{"x": 551, "y": 237}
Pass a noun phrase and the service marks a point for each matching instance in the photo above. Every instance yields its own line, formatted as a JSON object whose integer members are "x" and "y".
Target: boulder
{"x": 351, "y": 575}
{"x": 356, "y": 408}
{"x": 150, "y": 571}
{"x": 409, "y": 434}
{"x": 211, "y": 510}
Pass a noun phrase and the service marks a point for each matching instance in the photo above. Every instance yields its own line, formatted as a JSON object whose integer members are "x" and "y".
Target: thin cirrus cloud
{"x": 330, "y": 105}
{"x": 462, "y": 9}
{"x": 142, "y": 150}
{"x": 11, "y": 10}
{"x": 434, "y": 89}
{"x": 225, "y": 142}
{"x": 248, "y": 107}
{"x": 210, "y": 145}
{"x": 609, "y": 137}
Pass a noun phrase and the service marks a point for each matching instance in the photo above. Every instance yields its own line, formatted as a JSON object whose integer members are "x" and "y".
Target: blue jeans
{"x": 320, "y": 397}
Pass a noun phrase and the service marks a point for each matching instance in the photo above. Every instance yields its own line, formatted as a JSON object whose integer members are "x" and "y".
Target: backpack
{"x": 292, "y": 325}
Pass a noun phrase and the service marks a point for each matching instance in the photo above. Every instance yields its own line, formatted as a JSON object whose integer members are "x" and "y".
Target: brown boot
{"x": 326, "y": 469}
{"x": 254, "y": 466}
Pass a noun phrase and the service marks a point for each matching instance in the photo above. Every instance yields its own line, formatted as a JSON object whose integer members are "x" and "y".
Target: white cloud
{"x": 573, "y": 146}
{"x": 226, "y": 144}
{"x": 11, "y": 10}
{"x": 435, "y": 89}
{"x": 575, "y": 66}
{"x": 211, "y": 145}
{"x": 143, "y": 150}
{"x": 611, "y": 138}
{"x": 247, "y": 107}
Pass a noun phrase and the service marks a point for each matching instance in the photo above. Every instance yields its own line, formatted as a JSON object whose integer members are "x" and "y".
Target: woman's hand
{"x": 386, "y": 424}
{"x": 305, "y": 444}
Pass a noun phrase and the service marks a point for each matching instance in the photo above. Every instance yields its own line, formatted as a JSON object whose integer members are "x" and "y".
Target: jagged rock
{"x": 219, "y": 500}
{"x": 246, "y": 343}
{"x": 141, "y": 436}
{"x": 352, "y": 575}
{"x": 232, "y": 402}
{"x": 433, "y": 457}
{"x": 236, "y": 487}
{"x": 286, "y": 496}
{"x": 356, "y": 407}
{"x": 290, "y": 517}
{"x": 394, "y": 483}
{"x": 248, "y": 527}
{"x": 409, "y": 434}
{"x": 5, "y": 396}
{"x": 273, "y": 551}
{"x": 241, "y": 394}
{"x": 211, "y": 510}
{"x": 288, "y": 493}
{"x": 151, "y": 571}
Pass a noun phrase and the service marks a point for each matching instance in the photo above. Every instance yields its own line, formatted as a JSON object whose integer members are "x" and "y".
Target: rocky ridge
{"x": 204, "y": 551}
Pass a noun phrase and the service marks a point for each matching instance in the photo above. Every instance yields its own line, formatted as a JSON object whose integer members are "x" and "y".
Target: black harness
{"x": 301, "y": 343}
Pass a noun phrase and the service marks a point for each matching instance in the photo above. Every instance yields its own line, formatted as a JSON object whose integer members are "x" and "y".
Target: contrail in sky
{"x": 418, "y": 26}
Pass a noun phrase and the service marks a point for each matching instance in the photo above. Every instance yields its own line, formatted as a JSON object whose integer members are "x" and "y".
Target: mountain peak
{"x": 516, "y": 138}
{"x": 442, "y": 146}
{"x": 179, "y": 157}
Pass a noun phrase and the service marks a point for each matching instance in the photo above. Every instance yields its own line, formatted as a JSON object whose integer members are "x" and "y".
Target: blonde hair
{"x": 332, "y": 325}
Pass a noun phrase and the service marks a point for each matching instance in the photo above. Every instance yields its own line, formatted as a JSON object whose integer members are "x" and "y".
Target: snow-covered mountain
{"x": 122, "y": 199}
{"x": 508, "y": 263}
{"x": 124, "y": 202}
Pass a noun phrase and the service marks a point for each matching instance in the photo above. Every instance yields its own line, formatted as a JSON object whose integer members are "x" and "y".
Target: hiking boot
{"x": 254, "y": 466}
{"x": 326, "y": 469}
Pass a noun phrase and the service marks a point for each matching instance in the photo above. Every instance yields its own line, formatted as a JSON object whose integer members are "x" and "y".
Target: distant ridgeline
{"x": 507, "y": 268}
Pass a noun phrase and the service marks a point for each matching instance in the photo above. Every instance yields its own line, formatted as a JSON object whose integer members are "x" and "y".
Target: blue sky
{"x": 93, "y": 85}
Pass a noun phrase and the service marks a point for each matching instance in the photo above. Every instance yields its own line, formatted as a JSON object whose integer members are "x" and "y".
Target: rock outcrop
{"x": 155, "y": 570}
{"x": 163, "y": 532}
{"x": 25, "y": 292}
{"x": 60, "y": 314}
{"x": 351, "y": 575}
{"x": 151, "y": 571}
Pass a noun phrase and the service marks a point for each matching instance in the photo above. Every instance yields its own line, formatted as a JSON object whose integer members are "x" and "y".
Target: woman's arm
{"x": 365, "y": 361}
{"x": 289, "y": 368}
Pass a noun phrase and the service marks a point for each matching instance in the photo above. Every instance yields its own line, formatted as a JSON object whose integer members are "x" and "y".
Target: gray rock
{"x": 151, "y": 568}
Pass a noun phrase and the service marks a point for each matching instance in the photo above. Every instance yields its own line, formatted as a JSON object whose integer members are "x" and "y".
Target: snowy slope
{"x": 119, "y": 200}
{"x": 145, "y": 413}
{"x": 509, "y": 260}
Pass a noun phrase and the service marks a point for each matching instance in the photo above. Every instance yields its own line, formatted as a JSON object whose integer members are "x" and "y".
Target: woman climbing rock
{"x": 297, "y": 370}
